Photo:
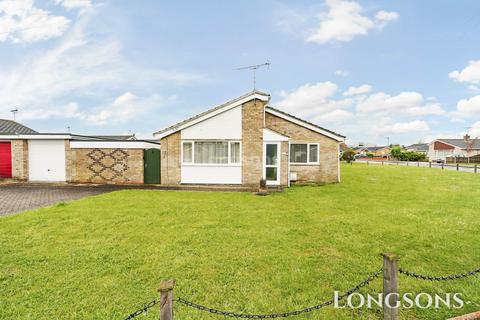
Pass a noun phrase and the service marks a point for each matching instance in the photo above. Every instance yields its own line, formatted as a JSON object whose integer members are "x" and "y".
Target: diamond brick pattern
{"x": 108, "y": 165}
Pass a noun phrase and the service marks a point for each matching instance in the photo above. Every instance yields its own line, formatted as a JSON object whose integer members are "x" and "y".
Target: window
{"x": 211, "y": 152}
{"x": 234, "y": 152}
{"x": 304, "y": 153}
{"x": 187, "y": 152}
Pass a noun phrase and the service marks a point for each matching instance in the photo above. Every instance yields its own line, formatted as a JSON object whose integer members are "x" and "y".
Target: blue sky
{"x": 407, "y": 70}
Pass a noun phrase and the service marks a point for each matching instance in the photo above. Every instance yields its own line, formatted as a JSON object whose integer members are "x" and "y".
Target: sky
{"x": 375, "y": 71}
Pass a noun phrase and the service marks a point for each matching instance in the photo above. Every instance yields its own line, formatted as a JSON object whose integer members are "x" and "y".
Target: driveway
{"x": 17, "y": 198}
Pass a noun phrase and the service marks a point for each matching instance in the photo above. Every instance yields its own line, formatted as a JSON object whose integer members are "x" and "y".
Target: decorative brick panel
{"x": 327, "y": 170}
{"x": 19, "y": 159}
{"x": 105, "y": 166}
{"x": 170, "y": 160}
{"x": 252, "y": 142}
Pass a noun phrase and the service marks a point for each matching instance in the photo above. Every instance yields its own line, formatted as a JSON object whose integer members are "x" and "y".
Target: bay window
{"x": 211, "y": 152}
{"x": 304, "y": 153}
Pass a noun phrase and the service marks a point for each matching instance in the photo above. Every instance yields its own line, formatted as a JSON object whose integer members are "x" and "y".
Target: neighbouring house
{"x": 418, "y": 147}
{"x": 380, "y": 151}
{"x": 237, "y": 143}
{"x": 244, "y": 140}
{"x": 441, "y": 149}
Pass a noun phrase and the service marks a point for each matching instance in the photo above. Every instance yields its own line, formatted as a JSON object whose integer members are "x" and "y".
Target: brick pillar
{"x": 19, "y": 159}
{"x": 170, "y": 160}
{"x": 252, "y": 141}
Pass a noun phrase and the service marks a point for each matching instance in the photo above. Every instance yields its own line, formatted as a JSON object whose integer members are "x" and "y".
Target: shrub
{"x": 348, "y": 155}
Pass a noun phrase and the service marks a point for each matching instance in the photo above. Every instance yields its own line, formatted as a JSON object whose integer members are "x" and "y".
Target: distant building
{"x": 440, "y": 149}
{"x": 418, "y": 147}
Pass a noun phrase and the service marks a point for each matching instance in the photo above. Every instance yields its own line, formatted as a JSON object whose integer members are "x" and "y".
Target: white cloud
{"x": 341, "y": 73}
{"x": 469, "y": 107}
{"x": 337, "y": 115}
{"x": 403, "y": 127}
{"x": 22, "y": 22}
{"x": 407, "y": 103}
{"x": 55, "y": 82}
{"x": 74, "y": 4}
{"x": 384, "y": 17}
{"x": 470, "y": 74}
{"x": 310, "y": 100}
{"x": 124, "y": 108}
{"x": 351, "y": 91}
{"x": 475, "y": 129}
{"x": 344, "y": 21}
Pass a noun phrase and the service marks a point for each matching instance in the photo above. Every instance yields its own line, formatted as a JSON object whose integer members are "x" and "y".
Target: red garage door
{"x": 5, "y": 160}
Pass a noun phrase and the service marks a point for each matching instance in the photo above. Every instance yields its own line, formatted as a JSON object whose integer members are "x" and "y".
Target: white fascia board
{"x": 36, "y": 137}
{"x": 270, "y": 135}
{"x": 306, "y": 125}
{"x": 113, "y": 145}
{"x": 211, "y": 114}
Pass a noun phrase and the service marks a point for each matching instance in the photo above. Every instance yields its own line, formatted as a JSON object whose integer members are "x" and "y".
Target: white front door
{"x": 271, "y": 167}
{"x": 46, "y": 160}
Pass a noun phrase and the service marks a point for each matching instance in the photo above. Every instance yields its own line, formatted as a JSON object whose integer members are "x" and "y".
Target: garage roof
{"x": 12, "y": 127}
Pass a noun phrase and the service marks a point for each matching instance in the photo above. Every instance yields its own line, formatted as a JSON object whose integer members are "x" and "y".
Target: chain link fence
{"x": 297, "y": 312}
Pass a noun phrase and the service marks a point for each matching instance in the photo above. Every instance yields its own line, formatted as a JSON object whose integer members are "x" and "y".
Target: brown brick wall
{"x": 123, "y": 166}
{"x": 19, "y": 159}
{"x": 170, "y": 159}
{"x": 68, "y": 161}
{"x": 327, "y": 170}
{"x": 252, "y": 142}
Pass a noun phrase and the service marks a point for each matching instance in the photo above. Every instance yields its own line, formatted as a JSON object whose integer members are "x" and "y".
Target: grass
{"x": 104, "y": 256}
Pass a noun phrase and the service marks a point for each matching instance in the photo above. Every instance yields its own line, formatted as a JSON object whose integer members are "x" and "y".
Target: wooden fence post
{"x": 443, "y": 165}
{"x": 166, "y": 299}
{"x": 429, "y": 164}
{"x": 475, "y": 169}
{"x": 390, "y": 286}
{"x": 418, "y": 163}
{"x": 457, "y": 166}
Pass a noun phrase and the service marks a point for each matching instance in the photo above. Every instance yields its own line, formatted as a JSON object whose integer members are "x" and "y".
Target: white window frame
{"x": 228, "y": 164}
{"x": 308, "y": 163}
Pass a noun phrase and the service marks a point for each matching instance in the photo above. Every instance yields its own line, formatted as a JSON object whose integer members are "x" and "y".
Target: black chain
{"x": 143, "y": 309}
{"x": 284, "y": 314}
{"x": 439, "y": 278}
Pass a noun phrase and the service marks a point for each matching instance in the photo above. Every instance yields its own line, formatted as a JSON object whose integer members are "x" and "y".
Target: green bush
{"x": 398, "y": 154}
{"x": 348, "y": 155}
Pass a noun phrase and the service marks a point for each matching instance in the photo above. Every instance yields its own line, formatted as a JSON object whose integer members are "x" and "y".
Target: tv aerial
{"x": 254, "y": 69}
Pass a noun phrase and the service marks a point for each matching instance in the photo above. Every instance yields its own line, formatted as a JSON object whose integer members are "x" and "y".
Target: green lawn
{"x": 102, "y": 257}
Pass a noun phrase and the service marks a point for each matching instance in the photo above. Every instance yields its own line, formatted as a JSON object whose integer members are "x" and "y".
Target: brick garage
{"x": 106, "y": 162}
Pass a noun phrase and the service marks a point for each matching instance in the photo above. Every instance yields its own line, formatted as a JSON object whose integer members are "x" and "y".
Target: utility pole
{"x": 388, "y": 141}
{"x": 254, "y": 70}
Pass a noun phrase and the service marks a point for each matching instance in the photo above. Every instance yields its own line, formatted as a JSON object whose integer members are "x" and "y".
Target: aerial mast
{"x": 254, "y": 68}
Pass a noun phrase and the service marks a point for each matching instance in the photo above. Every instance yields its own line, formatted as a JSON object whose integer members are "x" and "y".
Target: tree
{"x": 348, "y": 155}
{"x": 396, "y": 152}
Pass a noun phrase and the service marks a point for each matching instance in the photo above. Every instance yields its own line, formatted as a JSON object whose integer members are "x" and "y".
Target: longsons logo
{"x": 407, "y": 300}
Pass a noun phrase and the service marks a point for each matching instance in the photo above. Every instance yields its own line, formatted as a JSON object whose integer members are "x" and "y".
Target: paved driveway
{"x": 16, "y": 198}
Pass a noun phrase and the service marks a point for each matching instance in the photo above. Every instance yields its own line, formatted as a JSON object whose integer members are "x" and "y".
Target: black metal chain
{"x": 438, "y": 278}
{"x": 143, "y": 309}
{"x": 279, "y": 315}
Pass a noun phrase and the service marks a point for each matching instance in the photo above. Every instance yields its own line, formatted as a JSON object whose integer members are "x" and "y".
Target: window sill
{"x": 305, "y": 164}
{"x": 211, "y": 165}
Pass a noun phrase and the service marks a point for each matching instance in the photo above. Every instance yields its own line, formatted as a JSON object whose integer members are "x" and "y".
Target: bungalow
{"x": 440, "y": 149}
{"x": 418, "y": 147}
{"x": 245, "y": 140}
{"x": 237, "y": 143}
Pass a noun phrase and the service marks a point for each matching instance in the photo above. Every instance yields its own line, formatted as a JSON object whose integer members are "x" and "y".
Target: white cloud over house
{"x": 403, "y": 127}
{"x": 74, "y": 4}
{"x": 469, "y": 107}
{"x": 22, "y": 22}
{"x": 469, "y": 74}
{"x": 345, "y": 20}
{"x": 351, "y": 91}
{"x": 56, "y": 81}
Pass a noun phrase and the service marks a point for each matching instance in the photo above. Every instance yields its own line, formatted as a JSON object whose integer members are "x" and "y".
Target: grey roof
{"x": 212, "y": 110}
{"x": 106, "y": 138}
{"x": 461, "y": 143}
{"x": 12, "y": 127}
{"x": 418, "y": 146}
{"x": 310, "y": 123}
